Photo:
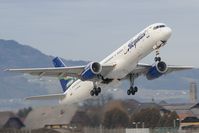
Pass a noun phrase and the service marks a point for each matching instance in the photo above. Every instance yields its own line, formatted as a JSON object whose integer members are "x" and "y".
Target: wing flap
{"x": 60, "y": 71}
{"x": 172, "y": 68}
{"x": 142, "y": 69}
{"x": 47, "y": 97}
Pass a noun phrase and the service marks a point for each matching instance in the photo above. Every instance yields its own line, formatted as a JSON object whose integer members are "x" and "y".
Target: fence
{"x": 27, "y": 131}
{"x": 101, "y": 130}
{"x": 137, "y": 130}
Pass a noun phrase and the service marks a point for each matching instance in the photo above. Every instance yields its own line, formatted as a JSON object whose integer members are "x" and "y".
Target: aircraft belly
{"x": 79, "y": 92}
{"x": 123, "y": 67}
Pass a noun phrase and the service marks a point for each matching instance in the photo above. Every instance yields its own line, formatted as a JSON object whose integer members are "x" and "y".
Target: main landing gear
{"x": 133, "y": 89}
{"x": 95, "y": 91}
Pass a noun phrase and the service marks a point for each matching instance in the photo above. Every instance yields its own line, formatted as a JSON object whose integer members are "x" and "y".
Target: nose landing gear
{"x": 157, "y": 57}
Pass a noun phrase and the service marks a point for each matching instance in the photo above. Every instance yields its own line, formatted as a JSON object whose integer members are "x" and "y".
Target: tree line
{"x": 119, "y": 118}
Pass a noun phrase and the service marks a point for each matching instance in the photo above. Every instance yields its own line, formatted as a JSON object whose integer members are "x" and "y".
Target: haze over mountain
{"x": 14, "y": 87}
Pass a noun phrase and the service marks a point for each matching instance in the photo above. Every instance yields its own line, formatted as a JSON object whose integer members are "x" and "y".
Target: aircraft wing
{"x": 174, "y": 68}
{"x": 47, "y": 97}
{"x": 142, "y": 68}
{"x": 51, "y": 72}
{"x": 75, "y": 71}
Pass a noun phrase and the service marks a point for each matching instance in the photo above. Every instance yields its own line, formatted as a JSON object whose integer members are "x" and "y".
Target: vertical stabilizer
{"x": 57, "y": 62}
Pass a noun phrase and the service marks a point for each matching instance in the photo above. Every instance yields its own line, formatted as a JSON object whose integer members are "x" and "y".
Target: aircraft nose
{"x": 167, "y": 33}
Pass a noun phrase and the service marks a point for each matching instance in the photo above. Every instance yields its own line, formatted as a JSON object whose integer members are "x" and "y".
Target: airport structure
{"x": 193, "y": 92}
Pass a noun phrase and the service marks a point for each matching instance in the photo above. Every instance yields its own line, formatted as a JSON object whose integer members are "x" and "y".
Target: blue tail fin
{"x": 57, "y": 62}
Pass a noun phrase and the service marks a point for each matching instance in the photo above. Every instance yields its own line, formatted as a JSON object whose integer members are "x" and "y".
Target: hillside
{"x": 17, "y": 86}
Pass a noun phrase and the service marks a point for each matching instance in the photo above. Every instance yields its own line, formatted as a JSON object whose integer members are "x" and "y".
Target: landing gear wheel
{"x": 159, "y": 59}
{"x": 156, "y": 59}
{"x": 98, "y": 89}
{"x": 128, "y": 92}
{"x": 92, "y": 92}
{"x": 96, "y": 93}
{"x": 136, "y": 89}
{"x": 131, "y": 89}
{"x": 157, "y": 55}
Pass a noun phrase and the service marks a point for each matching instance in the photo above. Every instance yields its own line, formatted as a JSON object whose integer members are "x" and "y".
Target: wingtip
{"x": 26, "y": 99}
{"x": 6, "y": 70}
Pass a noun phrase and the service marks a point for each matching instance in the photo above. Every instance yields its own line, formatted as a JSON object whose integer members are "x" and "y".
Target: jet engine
{"x": 157, "y": 70}
{"x": 91, "y": 71}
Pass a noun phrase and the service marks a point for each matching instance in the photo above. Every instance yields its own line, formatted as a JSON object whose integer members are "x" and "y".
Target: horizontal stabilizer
{"x": 47, "y": 97}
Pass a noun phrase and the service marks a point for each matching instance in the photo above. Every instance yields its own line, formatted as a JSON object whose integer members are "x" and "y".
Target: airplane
{"x": 83, "y": 82}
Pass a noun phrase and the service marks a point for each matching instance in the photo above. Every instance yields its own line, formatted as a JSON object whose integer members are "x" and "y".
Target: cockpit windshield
{"x": 158, "y": 26}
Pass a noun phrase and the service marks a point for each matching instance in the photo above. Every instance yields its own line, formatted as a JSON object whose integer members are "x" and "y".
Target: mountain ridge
{"x": 19, "y": 86}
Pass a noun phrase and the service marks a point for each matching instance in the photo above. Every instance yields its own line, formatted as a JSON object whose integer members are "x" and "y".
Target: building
{"x": 51, "y": 115}
{"x": 10, "y": 120}
{"x": 193, "y": 92}
{"x": 188, "y": 114}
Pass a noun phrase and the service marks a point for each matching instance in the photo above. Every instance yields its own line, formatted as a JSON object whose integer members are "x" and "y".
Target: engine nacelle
{"x": 91, "y": 70}
{"x": 157, "y": 70}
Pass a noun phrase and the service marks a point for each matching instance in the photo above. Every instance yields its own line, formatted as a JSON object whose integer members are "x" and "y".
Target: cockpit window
{"x": 158, "y": 26}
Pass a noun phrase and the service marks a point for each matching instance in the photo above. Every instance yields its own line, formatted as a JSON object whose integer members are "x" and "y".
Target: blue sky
{"x": 92, "y": 29}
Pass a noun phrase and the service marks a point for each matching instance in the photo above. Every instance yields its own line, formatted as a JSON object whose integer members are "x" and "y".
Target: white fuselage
{"x": 125, "y": 59}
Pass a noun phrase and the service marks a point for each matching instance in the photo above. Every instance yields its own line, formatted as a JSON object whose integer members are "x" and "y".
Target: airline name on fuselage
{"x": 134, "y": 42}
